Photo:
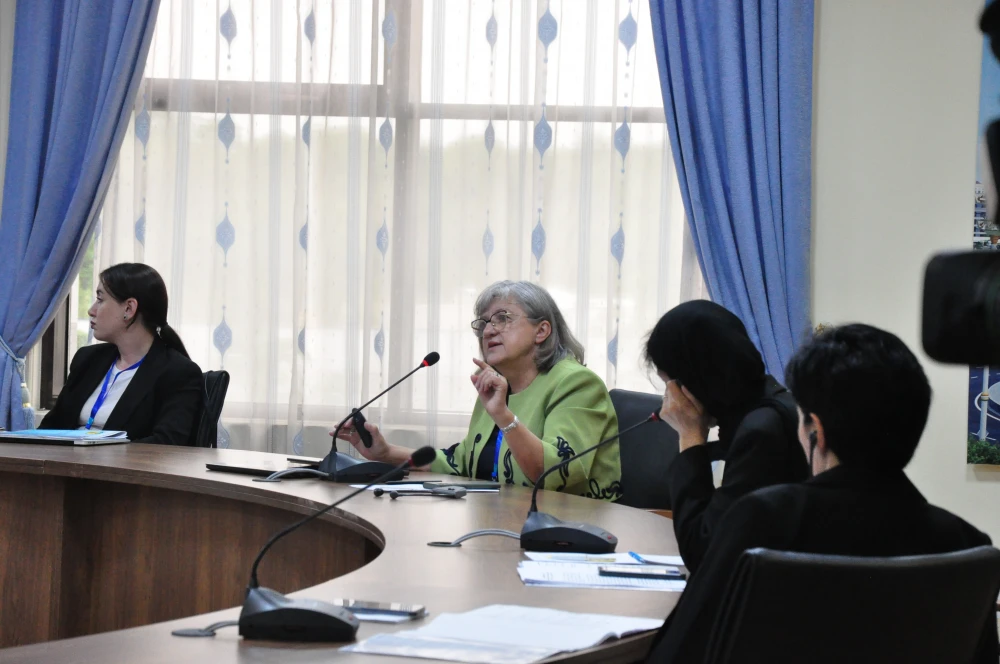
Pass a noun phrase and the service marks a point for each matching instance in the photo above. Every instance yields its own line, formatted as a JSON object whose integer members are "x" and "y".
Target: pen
{"x": 648, "y": 562}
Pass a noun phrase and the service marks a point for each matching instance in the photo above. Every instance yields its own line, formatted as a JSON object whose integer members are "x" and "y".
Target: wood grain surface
{"x": 99, "y": 545}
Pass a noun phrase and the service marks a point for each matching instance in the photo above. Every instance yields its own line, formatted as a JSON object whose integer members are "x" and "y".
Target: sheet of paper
{"x": 662, "y": 560}
{"x": 505, "y": 633}
{"x": 405, "y": 644}
{"x": 585, "y": 575}
{"x": 602, "y": 558}
{"x": 534, "y": 627}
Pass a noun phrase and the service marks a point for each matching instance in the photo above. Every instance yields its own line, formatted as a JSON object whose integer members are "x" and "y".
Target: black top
{"x": 844, "y": 511}
{"x": 160, "y": 405}
{"x": 484, "y": 467}
{"x": 760, "y": 450}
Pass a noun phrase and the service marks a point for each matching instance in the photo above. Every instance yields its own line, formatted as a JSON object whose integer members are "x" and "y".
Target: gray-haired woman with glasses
{"x": 537, "y": 403}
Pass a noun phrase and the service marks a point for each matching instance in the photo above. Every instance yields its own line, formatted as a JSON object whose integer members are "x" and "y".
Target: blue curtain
{"x": 77, "y": 66}
{"x": 736, "y": 77}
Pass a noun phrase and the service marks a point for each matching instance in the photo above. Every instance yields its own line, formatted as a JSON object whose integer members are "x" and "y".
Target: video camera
{"x": 961, "y": 308}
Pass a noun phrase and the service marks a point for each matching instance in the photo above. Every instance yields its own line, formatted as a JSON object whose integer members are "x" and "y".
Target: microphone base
{"x": 544, "y": 532}
{"x": 343, "y": 468}
{"x": 270, "y": 616}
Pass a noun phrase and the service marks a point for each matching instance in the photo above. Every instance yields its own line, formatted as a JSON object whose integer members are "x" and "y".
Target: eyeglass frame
{"x": 510, "y": 318}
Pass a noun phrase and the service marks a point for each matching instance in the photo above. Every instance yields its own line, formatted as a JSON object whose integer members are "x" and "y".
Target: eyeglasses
{"x": 499, "y": 321}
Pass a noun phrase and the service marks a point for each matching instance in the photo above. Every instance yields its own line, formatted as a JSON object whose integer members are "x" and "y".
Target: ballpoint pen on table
{"x": 644, "y": 561}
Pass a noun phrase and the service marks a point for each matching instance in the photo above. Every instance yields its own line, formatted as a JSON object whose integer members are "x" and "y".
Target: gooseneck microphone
{"x": 544, "y": 532}
{"x": 269, "y": 615}
{"x": 339, "y": 467}
{"x": 345, "y": 468}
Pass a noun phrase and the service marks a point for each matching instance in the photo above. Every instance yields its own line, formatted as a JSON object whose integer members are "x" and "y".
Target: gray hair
{"x": 538, "y": 305}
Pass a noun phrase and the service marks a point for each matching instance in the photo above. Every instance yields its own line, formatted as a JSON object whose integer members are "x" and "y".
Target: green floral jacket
{"x": 569, "y": 409}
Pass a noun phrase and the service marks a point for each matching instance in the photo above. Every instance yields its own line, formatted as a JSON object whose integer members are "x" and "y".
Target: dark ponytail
{"x": 144, "y": 284}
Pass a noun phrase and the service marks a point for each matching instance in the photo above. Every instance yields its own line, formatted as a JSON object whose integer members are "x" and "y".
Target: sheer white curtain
{"x": 7, "y": 13}
{"x": 326, "y": 185}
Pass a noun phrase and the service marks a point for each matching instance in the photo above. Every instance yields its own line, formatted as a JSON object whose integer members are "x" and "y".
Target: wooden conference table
{"x": 105, "y": 550}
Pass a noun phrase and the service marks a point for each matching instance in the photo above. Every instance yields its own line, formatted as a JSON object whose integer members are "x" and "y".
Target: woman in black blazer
{"x": 141, "y": 381}
{"x": 714, "y": 375}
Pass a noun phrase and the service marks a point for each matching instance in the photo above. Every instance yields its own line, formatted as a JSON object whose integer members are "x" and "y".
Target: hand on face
{"x": 492, "y": 389}
{"x": 682, "y": 411}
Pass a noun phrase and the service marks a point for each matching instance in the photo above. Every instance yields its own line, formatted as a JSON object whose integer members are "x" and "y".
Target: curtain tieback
{"x": 19, "y": 362}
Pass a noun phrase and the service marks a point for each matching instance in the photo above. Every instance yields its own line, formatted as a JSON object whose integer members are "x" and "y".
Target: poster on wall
{"x": 983, "y": 445}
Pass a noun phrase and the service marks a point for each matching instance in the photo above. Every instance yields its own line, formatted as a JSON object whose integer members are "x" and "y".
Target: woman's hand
{"x": 380, "y": 449}
{"x": 682, "y": 411}
{"x": 492, "y": 389}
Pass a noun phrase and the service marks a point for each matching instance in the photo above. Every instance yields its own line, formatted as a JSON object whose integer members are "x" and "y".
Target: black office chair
{"x": 216, "y": 384}
{"x": 795, "y": 607}
{"x": 646, "y": 453}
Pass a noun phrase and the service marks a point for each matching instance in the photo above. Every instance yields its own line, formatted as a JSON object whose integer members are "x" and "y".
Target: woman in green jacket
{"x": 537, "y": 406}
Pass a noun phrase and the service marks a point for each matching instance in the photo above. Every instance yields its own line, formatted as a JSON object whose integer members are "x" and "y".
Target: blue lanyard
{"x": 496, "y": 455}
{"x": 108, "y": 384}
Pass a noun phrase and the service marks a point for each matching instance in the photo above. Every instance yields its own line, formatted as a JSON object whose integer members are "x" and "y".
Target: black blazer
{"x": 160, "y": 405}
{"x": 763, "y": 450}
{"x": 844, "y": 511}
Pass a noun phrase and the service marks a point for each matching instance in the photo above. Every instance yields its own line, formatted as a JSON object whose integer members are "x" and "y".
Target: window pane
{"x": 269, "y": 42}
{"x": 587, "y": 63}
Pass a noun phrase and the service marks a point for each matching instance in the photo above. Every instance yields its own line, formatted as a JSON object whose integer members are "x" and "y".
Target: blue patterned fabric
{"x": 737, "y": 90}
{"x": 77, "y": 66}
{"x": 227, "y": 27}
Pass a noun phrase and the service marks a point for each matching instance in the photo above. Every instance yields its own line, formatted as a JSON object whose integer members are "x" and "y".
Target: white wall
{"x": 896, "y": 94}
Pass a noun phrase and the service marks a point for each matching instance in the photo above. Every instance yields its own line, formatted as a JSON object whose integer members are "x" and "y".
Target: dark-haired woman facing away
{"x": 141, "y": 380}
{"x": 714, "y": 375}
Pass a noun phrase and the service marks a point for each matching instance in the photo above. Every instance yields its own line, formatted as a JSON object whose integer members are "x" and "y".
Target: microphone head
{"x": 424, "y": 455}
{"x": 431, "y": 359}
{"x": 655, "y": 417}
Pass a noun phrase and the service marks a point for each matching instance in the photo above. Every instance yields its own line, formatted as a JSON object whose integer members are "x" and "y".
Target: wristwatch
{"x": 510, "y": 427}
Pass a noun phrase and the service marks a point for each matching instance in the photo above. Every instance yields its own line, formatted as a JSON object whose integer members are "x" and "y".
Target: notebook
{"x": 76, "y": 437}
{"x": 263, "y": 467}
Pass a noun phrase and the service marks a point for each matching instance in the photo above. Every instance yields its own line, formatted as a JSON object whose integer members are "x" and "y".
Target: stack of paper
{"x": 504, "y": 634}
{"x": 586, "y": 575}
{"x": 603, "y": 558}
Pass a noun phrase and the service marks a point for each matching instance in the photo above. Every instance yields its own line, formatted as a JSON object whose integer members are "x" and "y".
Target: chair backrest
{"x": 646, "y": 453}
{"x": 796, "y": 607}
{"x": 216, "y": 384}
